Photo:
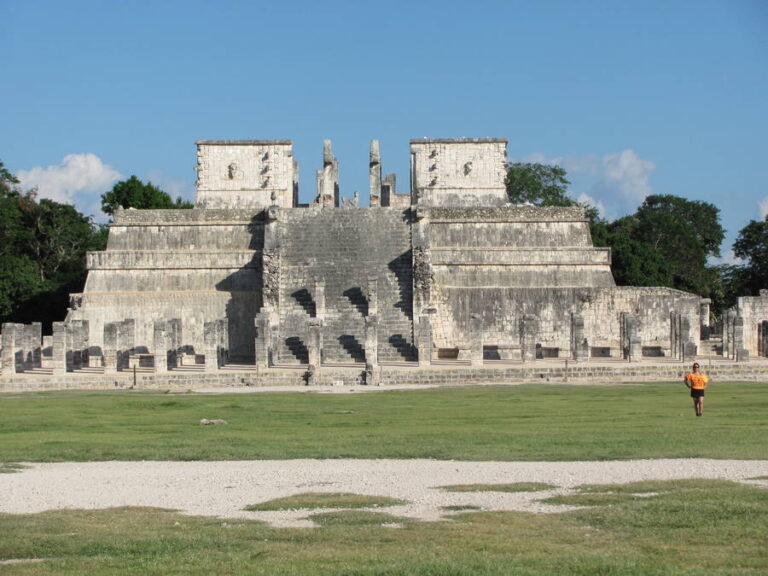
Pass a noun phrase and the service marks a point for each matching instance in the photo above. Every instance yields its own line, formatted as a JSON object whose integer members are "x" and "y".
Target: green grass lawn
{"x": 489, "y": 423}
{"x": 686, "y": 527}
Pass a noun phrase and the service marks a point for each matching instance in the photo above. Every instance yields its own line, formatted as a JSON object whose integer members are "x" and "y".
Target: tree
{"x": 133, "y": 193}
{"x": 538, "y": 184}
{"x": 752, "y": 245}
{"x": 546, "y": 185}
{"x": 42, "y": 253}
{"x": 633, "y": 262}
{"x": 686, "y": 233}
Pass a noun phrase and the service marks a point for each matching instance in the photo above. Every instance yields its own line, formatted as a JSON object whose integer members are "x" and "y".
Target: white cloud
{"x": 627, "y": 174}
{"x": 587, "y": 199}
{"x": 763, "y": 205}
{"x": 615, "y": 183}
{"x": 77, "y": 173}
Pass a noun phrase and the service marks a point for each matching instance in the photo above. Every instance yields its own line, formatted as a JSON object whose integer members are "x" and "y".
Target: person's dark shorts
{"x": 697, "y": 393}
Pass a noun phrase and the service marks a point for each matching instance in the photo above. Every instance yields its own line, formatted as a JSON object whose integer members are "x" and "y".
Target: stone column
{"x": 631, "y": 344}
{"x": 740, "y": 353}
{"x": 73, "y": 359}
{"x": 675, "y": 336}
{"x": 372, "y": 295}
{"x": 223, "y": 332}
{"x": 58, "y": 348}
{"x": 32, "y": 334}
{"x": 328, "y": 179}
{"x": 110, "y": 350}
{"x": 388, "y": 189}
{"x": 688, "y": 349}
{"x": 374, "y": 174}
{"x": 372, "y": 375}
{"x": 273, "y": 350}
{"x": 423, "y": 274}
{"x": 174, "y": 342}
{"x": 315, "y": 342}
{"x": 763, "y": 342}
{"x": 425, "y": 339}
{"x": 315, "y": 351}
{"x": 84, "y": 343}
{"x": 704, "y": 318}
{"x": 319, "y": 297}
{"x": 579, "y": 345}
{"x": 261, "y": 351}
{"x": 728, "y": 334}
{"x": 126, "y": 340}
{"x": 37, "y": 350}
{"x": 9, "y": 349}
{"x": 372, "y": 340}
{"x": 209, "y": 341}
{"x": 475, "y": 340}
{"x": 528, "y": 333}
{"x": 159, "y": 343}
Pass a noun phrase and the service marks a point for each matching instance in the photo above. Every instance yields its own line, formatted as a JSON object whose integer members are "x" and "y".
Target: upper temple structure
{"x": 448, "y": 272}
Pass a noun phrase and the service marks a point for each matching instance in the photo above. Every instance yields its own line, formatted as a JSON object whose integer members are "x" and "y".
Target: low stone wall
{"x": 389, "y": 375}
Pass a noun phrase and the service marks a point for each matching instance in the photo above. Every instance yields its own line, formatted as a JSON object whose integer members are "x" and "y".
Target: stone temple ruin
{"x": 447, "y": 273}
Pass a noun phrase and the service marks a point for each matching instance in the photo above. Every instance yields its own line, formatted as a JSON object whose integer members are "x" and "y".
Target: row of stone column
{"x": 733, "y": 337}
{"x": 22, "y": 350}
{"x": 71, "y": 350}
{"x": 681, "y": 345}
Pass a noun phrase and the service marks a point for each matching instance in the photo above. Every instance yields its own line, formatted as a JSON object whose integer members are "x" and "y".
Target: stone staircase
{"x": 342, "y": 247}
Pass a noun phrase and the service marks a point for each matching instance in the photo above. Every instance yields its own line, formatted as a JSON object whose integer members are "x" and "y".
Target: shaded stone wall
{"x": 503, "y": 309}
{"x": 356, "y": 255}
{"x": 754, "y": 312}
{"x": 526, "y": 271}
{"x": 198, "y": 265}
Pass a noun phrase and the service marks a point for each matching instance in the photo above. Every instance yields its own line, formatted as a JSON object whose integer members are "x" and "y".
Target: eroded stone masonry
{"x": 449, "y": 271}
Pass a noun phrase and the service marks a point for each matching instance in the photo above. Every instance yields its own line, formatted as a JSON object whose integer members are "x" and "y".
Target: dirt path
{"x": 223, "y": 489}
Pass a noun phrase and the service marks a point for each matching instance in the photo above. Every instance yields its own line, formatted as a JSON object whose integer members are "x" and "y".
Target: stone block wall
{"x": 351, "y": 252}
{"x": 198, "y": 265}
{"x": 503, "y": 310}
{"x": 459, "y": 172}
{"x": 754, "y": 312}
{"x": 526, "y": 271}
{"x": 252, "y": 174}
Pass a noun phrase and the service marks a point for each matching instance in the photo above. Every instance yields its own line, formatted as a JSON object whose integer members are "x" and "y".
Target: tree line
{"x": 668, "y": 241}
{"x": 43, "y": 245}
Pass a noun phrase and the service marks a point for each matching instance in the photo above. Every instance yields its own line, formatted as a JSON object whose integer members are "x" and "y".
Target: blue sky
{"x": 632, "y": 98}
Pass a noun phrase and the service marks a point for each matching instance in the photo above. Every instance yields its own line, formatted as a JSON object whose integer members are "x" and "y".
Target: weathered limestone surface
{"x": 753, "y": 310}
{"x": 254, "y": 278}
{"x": 199, "y": 265}
{"x": 463, "y": 172}
{"x": 251, "y": 174}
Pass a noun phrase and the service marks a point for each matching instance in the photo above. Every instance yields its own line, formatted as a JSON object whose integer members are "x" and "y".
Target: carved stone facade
{"x": 451, "y": 270}
{"x": 251, "y": 174}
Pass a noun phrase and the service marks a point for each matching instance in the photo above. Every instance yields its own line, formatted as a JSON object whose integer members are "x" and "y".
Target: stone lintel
{"x": 457, "y": 140}
{"x": 244, "y": 142}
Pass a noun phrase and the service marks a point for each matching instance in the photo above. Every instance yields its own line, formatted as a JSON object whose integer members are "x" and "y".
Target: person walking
{"x": 697, "y": 382}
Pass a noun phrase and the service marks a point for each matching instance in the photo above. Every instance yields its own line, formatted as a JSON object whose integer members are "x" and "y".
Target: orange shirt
{"x": 697, "y": 381}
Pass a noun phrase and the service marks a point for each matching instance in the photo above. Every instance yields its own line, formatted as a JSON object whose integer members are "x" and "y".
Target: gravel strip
{"x": 223, "y": 489}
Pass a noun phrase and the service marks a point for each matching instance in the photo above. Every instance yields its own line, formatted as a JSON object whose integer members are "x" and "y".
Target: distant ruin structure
{"x": 449, "y": 271}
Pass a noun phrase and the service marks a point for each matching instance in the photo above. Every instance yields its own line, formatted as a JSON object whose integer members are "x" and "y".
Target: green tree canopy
{"x": 42, "y": 253}
{"x": 539, "y": 184}
{"x": 636, "y": 263}
{"x": 133, "y": 193}
{"x": 752, "y": 245}
{"x": 686, "y": 233}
